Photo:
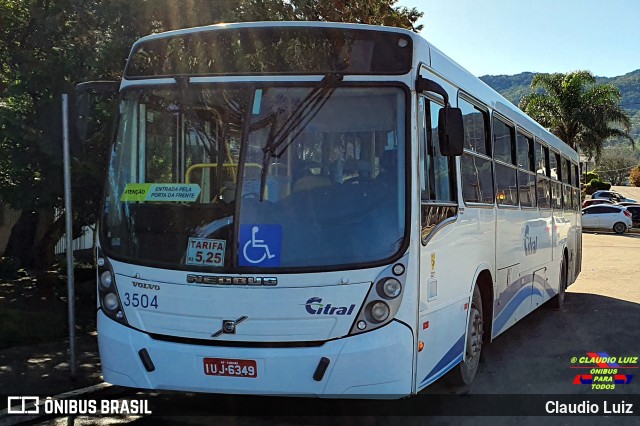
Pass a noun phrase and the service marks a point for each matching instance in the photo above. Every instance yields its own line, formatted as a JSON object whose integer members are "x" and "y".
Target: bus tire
{"x": 619, "y": 228}
{"x": 557, "y": 302}
{"x": 463, "y": 373}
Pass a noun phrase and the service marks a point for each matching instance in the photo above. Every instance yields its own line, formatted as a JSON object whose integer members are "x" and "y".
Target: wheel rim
{"x": 474, "y": 341}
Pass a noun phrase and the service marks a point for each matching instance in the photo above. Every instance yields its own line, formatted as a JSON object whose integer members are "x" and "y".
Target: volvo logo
{"x": 229, "y": 326}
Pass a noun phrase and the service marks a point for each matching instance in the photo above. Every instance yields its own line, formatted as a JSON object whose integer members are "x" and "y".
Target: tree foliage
{"x": 596, "y": 185}
{"x": 615, "y": 163}
{"x": 591, "y": 175}
{"x": 634, "y": 176}
{"x": 577, "y": 110}
{"x": 47, "y": 46}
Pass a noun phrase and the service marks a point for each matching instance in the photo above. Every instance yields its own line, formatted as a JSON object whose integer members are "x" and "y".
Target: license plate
{"x": 230, "y": 367}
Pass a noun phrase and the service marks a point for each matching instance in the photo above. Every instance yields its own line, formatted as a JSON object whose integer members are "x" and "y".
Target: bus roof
{"x": 472, "y": 85}
{"x": 424, "y": 53}
{"x": 275, "y": 24}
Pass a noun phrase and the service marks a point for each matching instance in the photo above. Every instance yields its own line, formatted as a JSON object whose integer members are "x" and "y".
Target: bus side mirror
{"x": 450, "y": 131}
{"x": 87, "y": 95}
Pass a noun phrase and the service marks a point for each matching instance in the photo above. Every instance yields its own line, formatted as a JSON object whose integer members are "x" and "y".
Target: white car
{"x": 607, "y": 216}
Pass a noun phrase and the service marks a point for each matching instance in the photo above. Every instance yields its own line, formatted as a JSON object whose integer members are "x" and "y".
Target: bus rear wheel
{"x": 464, "y": 372}
{"x": 558, "y": 300}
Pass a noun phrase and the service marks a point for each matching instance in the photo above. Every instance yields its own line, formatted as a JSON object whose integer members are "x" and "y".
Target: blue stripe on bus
{"x": 448, "y": 361}
{"x": 503, "y": 318}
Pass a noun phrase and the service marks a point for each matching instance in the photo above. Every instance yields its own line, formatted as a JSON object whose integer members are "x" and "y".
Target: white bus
{"x": 321, "y": 209}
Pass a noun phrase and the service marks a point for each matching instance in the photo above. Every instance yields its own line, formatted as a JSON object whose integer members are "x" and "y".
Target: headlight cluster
{"x": 383, "y": 300}
{"x": 107, "y": 292}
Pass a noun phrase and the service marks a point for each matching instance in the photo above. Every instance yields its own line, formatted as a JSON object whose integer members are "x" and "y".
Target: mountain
{"x": 629, "y": 85}
{"x": 514, "y": 87}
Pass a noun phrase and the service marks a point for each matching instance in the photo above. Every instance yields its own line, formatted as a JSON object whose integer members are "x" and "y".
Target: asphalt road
{"x": 534, "y": 357}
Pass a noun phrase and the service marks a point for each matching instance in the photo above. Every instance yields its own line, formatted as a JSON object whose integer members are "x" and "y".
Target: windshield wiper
{"x": 298, "y": 119}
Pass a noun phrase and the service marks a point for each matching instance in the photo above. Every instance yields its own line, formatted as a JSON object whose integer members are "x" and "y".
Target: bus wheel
{"x": 557, "y": 302}
{"x": 464, "y": 372}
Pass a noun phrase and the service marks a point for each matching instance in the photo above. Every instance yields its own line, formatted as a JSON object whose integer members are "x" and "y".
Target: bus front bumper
{"x": 377, "y": 364}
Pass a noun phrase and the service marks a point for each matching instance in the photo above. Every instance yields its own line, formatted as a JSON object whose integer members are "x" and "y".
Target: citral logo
{"x": 530, "y": 244}
{"x": 315, "y": 307}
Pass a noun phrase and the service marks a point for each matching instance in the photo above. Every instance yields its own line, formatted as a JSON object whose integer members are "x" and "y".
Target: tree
{"x": 373, "y": 12}
{"x": 47, "y": 46}
{"x": 615, "y": 163}
{"x": 634, "y": 177}
{"x": 577, "y": 110}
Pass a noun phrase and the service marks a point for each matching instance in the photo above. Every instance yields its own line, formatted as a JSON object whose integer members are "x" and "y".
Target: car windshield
{"x": 221, "y": 178}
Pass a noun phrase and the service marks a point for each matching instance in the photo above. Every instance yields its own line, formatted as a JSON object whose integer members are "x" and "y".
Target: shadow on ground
{"x": 34, "y": 330}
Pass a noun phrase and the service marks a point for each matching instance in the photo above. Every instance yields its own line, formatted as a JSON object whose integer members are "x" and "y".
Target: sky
{"x": 514, "y": 36}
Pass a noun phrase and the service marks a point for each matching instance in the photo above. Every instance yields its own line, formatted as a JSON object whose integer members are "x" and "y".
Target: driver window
{"x": 438, "y": 171}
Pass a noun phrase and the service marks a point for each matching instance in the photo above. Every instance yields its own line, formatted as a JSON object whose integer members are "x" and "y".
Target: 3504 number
{"x": 140, "y": 300}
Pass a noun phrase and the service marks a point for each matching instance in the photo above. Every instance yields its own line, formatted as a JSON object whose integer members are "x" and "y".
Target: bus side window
{"x": 438, "y": 171}
{"x": 526, "y": 170}
{"x": 476, "y": 164}
{"x": 504, "y": 152}
{"x": 542, "y": 170}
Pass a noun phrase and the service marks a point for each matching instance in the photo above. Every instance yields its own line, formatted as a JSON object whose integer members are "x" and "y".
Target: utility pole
{"x": 71, "y": 297}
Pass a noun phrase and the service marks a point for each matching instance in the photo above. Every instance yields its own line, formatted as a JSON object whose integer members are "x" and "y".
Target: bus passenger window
{"x": 476, "y": 165}
{"x": 503, "y": 142}
{"x": 566, "y": 171}
{"x": 477, "y": 179}
{"x": 544, "y": 198}
{"x": 554, "y": 166}
{"x": 525, "y": 153}
{"x": 475, "y": 128}
{"x": 527, "y": 189}
{"x": 504, "y": 149}
{"x": 507, "y": 187}
{"x": 542, "y": 160}
{"x": 556, "y": 193}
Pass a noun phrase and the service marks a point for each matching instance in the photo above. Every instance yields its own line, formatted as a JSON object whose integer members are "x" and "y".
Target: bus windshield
{"x": 224, "y": 177}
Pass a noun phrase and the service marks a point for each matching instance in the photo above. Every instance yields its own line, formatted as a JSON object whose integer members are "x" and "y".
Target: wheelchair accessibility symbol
{"x": 260, "y": 245}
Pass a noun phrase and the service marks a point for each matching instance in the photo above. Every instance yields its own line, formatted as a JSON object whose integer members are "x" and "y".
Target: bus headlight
{"x": 379, "y": 311}
{"x": 106, "y": 279}
{"x": 390, "y": 288}
{"x": 110, "y": 301}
